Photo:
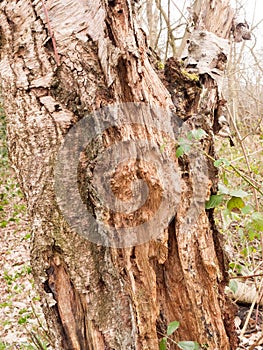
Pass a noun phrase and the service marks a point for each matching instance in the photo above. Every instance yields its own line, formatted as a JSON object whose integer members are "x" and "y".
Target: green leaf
{"x": 5, "y": 304}
{"x": 238, "y": 268}
{"x": 11, "y": 219}
{"x": 221, "y": 161}
{"x": 3, "y": 223}
{"x": 23, "y": 320}
{"x": 22, "y": 311}
{"x": 233, "y": 285}
{"x": 188, "y": 345}
{"x": 238, "y": 193}
{"x": 179, "y": 151}
{"x": 184, "y": 147}
{"x": 198, "y": 134}
{"x": 163, "y": 344}
{"x": 172, "y": 327}
{"x": 235, "y": 203}
{"x": 3, "y": 346}
{"x": 214, "y": 201}
{"x": 247, "y": 251}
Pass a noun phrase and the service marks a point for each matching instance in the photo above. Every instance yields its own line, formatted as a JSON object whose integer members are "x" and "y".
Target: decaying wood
{"x": 97, "y": 297}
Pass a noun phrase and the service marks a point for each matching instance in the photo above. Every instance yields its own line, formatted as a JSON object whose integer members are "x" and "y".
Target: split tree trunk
{"x": 97, "y": 297}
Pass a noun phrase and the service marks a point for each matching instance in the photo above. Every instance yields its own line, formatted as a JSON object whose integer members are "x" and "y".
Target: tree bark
{"x": 95, "y": 296}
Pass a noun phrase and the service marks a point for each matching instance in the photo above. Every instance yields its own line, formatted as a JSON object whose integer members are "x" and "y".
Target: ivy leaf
{"x": 163, "y": 344}
{"x": 23, "y": 319}
{"x": 184, "y": 147}
{"x": 198, "y": 134}
{"x": 235, "y": 203}
{"x": 188, "y": 345}
{"x": 221, "y": 161}
{"x": 233, "y": 286}
{"x": 172, "y": 327}
{"x": 179, "y": 151}
{"x": 238, "y": 193}
{"x": 238, "y": 268}
{"x": 214, "y": 201}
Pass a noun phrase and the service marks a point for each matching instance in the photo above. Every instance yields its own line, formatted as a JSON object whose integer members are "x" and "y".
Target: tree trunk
{"x": 61, "y": 61}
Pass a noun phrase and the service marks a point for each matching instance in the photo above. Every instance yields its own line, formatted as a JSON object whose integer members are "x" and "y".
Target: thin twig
{"x": 166, "y": 336}
{"x": 171, "y": 40}
{"x": 237, "y": 171}
{"x": 246, "y": 277}
{"x": 254, "y": 188}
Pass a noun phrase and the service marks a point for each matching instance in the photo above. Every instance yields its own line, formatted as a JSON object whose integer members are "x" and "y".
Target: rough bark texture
{"x": 96, "y": 297}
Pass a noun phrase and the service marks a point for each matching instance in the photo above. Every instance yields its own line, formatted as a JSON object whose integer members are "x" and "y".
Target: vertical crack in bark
{"x": 70, "y": 307}
{"x": 126, "y": 89}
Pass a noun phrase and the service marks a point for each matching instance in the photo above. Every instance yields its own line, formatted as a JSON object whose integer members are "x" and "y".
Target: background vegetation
{"x": 22, "y": 325}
